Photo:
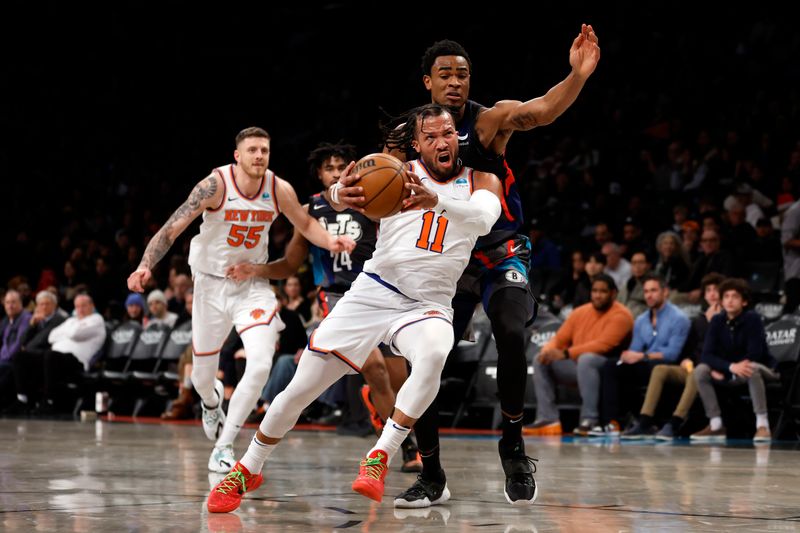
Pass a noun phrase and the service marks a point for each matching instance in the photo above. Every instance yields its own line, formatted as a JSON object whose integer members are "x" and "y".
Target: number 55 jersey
{"x": 238, "y": 230}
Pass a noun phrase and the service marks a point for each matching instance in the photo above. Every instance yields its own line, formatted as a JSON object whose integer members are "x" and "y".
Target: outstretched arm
{"x": 296, "y": 252}
{"x": 206, "y": 194}
{"x": 495, "y": 125}
{"x": 306, "y": 224}
{"x": 478, "y": 214}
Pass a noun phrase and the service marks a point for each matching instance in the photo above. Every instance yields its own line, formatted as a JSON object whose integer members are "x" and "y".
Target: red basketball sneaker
{"x": 227, "y": 495}
{"x": 373, "y": 470}
{"x": 374, "y": 417}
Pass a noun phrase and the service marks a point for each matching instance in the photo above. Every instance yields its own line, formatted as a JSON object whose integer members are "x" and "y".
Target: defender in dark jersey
{"x": 497, "y": 274}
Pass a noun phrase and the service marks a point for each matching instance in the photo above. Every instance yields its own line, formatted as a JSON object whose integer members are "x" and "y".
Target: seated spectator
{"x": 633, "y": 239}
{"x": 616, "y": 266}
{"x": 73, "y": 344}
{"x": 12, "y": 330}
{"x": 690, "y": 235}
{"x": 711, "y": 259}
{"x": 591, "y": 334}
{"x": 594, "y": 267}
{"x": 672, "y": 264}
{"x": 631, "y": 295}
{"x": 767, "y": 246}
{"x": 157, "y": 303}
{"x": 563, "y": 293}
{"x": 659, "y": 337}
{"x": 295, "y": 299}
{"x": 134, "y": 308}
{"x": 678, "y": 375}
{"x": 182, "y": 406}
{"x": 735, "y": 353}
{"x": 46, "y": 317}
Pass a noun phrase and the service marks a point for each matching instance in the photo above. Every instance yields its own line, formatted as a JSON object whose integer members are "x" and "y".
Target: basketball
{"x": 383, "y": 178}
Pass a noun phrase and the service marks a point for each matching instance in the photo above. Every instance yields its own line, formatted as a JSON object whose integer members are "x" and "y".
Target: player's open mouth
{"x": 444, "y": 157}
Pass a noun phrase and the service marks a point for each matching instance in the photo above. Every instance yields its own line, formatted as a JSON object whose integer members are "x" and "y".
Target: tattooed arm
{"x": 206, "y": 194}
{"x": 495, "y": 125}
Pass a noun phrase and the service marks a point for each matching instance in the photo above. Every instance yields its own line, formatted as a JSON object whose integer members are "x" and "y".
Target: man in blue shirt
{"x": 658, "y": 337}
{"x": 735, "y": 353}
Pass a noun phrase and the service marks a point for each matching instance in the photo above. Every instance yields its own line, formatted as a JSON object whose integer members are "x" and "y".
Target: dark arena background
{"x": 687, "y": 131}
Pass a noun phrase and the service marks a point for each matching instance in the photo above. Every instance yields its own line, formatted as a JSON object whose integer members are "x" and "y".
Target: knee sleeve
{"x": 425, "y": 345}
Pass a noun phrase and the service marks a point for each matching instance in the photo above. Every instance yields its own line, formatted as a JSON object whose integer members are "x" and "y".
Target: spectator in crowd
{"x": 182, "y": 407}
{"x": 573, "y": 281}
{"x": 672, "y": 264}
{"x": 711, "y": 259}
{"x": 12, "y": 330}
{"x": 616, "y": 266}
{"x": 631, "y": 295}
{"x": 735, "y": 353}
{"x": 602, "y": 235}
{"x": 134, "y": 308}
{"x": 790, "y": 238}
{"x": 591, "y": 334}
{"x": 690, "y": 235}
{"x": 295, "y": 298}
{"x": 680, "y": 215}
{"x": 545, "y": 256}
{"x": 594, "y": 266}
{"x": 659, "y": 335}
{"x": 73, "y": 344}
{"x": 157, "y": 303}
{"x": 743, "y": 196}
{"x": 633, "y": 239}
{"x": 786, "y": 195}
{"x": 767, "y": 246}
{"x": 176, "y": 303}
{"x": 739, "y": 236}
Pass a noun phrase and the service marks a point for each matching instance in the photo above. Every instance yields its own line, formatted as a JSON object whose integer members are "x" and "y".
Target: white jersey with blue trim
{"x": 422, "y": 253}
{"x": 238, "y": 230}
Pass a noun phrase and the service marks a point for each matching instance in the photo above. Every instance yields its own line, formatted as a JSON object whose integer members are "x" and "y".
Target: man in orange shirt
{"x": 576, "y": 354}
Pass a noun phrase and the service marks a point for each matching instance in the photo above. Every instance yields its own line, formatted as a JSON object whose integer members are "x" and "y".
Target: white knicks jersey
{"x": 238, "y": 230}
{"x": 422, "y": 253}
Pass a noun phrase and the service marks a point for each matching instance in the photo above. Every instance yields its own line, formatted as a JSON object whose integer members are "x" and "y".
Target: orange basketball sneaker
{"x": 373, "y": 470}
{"x": 227, "y": 495}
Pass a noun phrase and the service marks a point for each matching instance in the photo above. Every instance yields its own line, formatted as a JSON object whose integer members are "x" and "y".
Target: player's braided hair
{"x": 325, "y": 151}
{"x": 398, "y": 132}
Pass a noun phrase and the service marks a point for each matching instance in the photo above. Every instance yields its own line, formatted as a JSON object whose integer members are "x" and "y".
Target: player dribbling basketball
{"x": 402, "y": 298}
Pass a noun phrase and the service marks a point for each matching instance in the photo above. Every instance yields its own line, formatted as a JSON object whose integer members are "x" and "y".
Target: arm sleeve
{"x": 478, "y": 214}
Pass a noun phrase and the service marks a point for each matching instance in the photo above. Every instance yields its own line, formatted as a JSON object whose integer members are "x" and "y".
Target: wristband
{"x": 334, "y": 192}
{"x": 646, "y": 356}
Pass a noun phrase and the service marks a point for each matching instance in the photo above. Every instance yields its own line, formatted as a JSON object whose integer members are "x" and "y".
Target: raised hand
{"x": 421, "y": 196}
{"x": 585, "y": 52}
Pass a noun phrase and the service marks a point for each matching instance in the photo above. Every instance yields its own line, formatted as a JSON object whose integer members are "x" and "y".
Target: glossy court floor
{"x": 111, "y": 476}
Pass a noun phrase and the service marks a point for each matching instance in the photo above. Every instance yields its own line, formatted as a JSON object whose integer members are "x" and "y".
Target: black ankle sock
{"x": 646, "y": 421}
{"x": 512, "y": 428}
{"x": 431, "y": 467}
{"x": 513, "y": 447}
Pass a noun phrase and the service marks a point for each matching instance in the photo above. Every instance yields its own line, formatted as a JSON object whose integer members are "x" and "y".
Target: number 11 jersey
{"x": 422, "y": 253}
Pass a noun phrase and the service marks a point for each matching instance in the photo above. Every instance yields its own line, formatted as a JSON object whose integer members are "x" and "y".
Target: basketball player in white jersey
{"x": 402, "y": 298}
{"x": 238, "y": 202}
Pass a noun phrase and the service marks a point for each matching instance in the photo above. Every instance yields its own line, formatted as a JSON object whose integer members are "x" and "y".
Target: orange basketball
{"x": 383, "y": 178}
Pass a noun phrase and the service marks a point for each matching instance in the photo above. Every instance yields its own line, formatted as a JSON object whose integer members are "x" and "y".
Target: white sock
{"x": 23, "y": 398}
{"x": 256, "y": 455}
{"x": 762, "y": 421}
{"x": 716, "y": 423}
{"x": 391, "y": 438}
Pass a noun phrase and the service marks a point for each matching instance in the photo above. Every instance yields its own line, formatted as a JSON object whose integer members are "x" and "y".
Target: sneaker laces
{"x": 234, "y": 481}
{"x": 419, "y": 489}
{"x": 524, "y": 477}
{"x": 373, "y": 467}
